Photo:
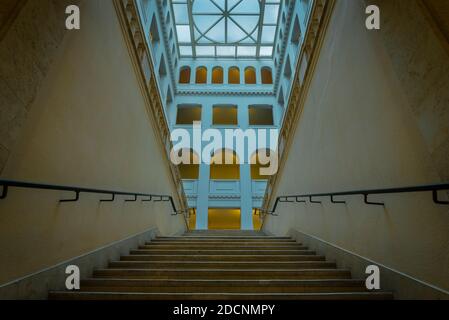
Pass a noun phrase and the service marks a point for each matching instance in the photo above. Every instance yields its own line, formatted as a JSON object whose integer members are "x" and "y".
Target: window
{"x": 267, "y": 77}
{"x": 250, "y": 75}
{"x": 201, "y": 75}
{"x": 225, "y": 115}
{"x": 190, "y": 170}
{"x": 217, "y": 75}
{"x": 224, "y": 165}
{"x": 234, "y": 75}
{"x": 184, "y": 75}
{"x": 261, "y": 164}
{"x": 260, "y": 115}
{"x": 187, "y": 114}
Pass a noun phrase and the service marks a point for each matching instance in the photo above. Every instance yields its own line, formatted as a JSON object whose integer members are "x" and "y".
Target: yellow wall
{"x": 358, "y": 131}
{"x": 87, "y": 127}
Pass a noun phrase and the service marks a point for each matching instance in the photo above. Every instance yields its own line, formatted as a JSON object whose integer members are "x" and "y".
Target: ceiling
{"x": 226, "y": 28}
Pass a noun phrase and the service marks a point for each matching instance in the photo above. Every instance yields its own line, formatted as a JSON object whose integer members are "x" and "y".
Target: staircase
{"x": 208, "y": 265}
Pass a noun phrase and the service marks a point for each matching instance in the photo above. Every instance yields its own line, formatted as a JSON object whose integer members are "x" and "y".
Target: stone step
{"x": 222, "y": 265}
{"x": 213, "y": 241}
{"x": 222, "y": 252}
{"x": 219, "y": 247}
{"x": 220, "y": 242}
{"x": 222, "y": 286}
{"x": 236, "y": 274}
{"x": 248, "y": 257}
{"x": 82, "y": 295}
{"x": 213, "y": 237}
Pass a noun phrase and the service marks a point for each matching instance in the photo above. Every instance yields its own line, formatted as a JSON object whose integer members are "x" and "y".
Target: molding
{"x": 193, "y": 92}
{"x": 403, "y": 285}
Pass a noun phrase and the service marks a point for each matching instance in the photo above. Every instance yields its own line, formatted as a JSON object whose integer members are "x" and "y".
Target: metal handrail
{"x": 6, "y": 184}
{"x": 434, "y": 188}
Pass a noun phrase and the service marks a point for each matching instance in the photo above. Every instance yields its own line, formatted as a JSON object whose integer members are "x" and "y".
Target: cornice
{"x": 224, "y": 93}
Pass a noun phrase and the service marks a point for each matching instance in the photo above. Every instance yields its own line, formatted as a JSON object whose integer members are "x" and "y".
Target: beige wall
{"x": 358, "y": 130}
{"x": 88, "y": 126}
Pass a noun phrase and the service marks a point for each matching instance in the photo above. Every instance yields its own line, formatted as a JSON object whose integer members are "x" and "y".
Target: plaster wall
{"x": 358, "y": 130}
{"x": 88, "y": 126}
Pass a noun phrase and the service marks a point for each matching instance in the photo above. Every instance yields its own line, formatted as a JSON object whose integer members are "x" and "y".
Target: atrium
{"x": 227, "y": 64}
{"x": 224, "y": 149}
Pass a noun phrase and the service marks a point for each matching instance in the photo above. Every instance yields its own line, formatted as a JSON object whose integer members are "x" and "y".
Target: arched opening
{"x": 263, "y": 164}
{"x": 296, "y": 34}
{"x": 250, "y": 75}
{"x": 224, "y": 165}
{"x": 288, "y": 68}
{"x": 217, "y": 75}
{"x": 154, "y": 31}
{"x": 190, "y": 170}
{"x": 234, "y": 75}
{"x": 267, "y": 76}
{"x": 201, "y": 75}
{"x": 184, "y": 75}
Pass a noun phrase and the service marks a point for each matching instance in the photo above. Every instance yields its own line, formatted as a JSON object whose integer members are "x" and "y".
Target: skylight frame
{"x": 199, "y": 44}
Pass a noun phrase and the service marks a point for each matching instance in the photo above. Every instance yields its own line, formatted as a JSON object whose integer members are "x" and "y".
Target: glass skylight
{"x": 226, "y": 28}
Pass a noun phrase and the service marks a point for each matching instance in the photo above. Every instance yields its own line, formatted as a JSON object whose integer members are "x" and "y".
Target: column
{"x": 202, "y": 201}
{"x": 246, "y": 199}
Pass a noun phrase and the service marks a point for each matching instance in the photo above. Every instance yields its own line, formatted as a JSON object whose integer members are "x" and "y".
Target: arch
{"x": 217, "y": 75}
{"x": 201, "y": 75}
{"x": 154, "y": 31}
{"x": 234, "y": 75}
{"x": 190, "y": 170}
{"x": 288, "y": 68}
{"x": 296, "y": 33}
{"x": 225, "y": 165}
{"x": 184, "y": 75}
{"x": 250, "y": 75}
{"x": 267, "y": 76}
{"x": 264, "y": 163}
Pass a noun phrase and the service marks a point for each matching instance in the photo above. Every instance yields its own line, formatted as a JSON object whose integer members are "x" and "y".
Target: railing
{"x": 146, "y": 197}
{"x": 434, "y": 188}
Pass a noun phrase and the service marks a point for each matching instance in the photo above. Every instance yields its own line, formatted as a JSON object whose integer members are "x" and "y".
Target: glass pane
{"x": 185, "y": 50}
{"x": 205, "y": 51}
{"x": 246, "y": 51}
{"x": 225, "y": 51}
{"x": 268, "y": 34}
{"x": 181, "y": 13}
{"x": 266, "y": 51}
{"x": 183, "y": 33}
{"x": 271, "y": 14}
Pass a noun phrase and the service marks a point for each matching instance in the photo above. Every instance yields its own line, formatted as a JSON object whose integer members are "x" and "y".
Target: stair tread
{"x": 224, "y": 264}
{"x": 138, "y": 295}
